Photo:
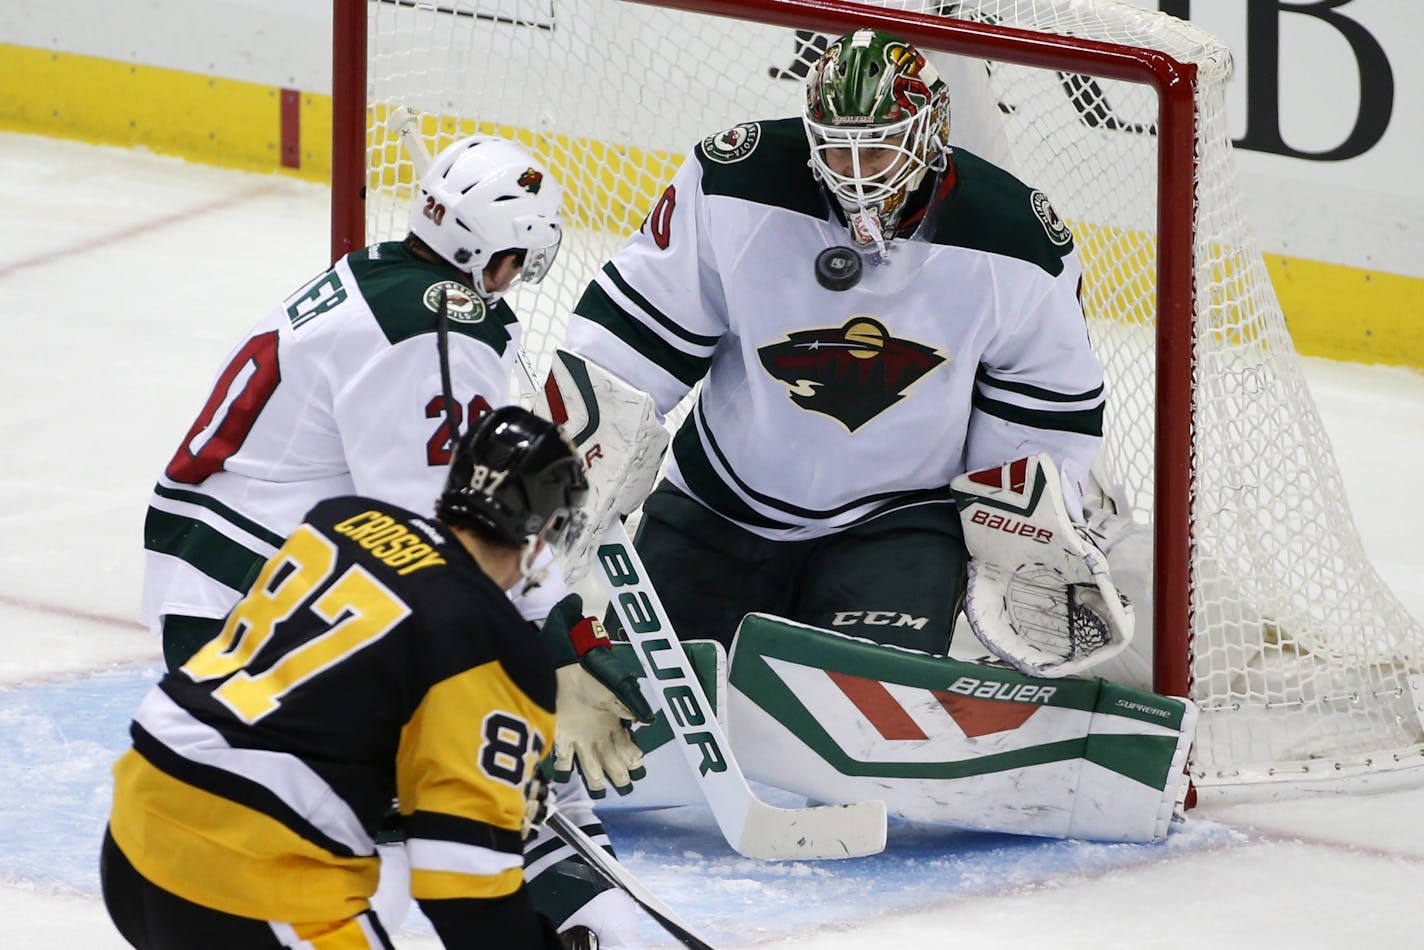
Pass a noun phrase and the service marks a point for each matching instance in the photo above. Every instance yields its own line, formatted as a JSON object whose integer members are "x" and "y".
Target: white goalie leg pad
{"x": 619, "y": 435}
{"x": 947, "y": 742}
{"x": 1039, "y": 596}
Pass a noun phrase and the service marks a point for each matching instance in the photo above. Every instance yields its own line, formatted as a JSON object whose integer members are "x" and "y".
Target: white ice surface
{"x": 124, "y": 279}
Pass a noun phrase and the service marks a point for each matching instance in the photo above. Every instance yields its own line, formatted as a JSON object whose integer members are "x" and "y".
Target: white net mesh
{"x": 1304, "y": 664}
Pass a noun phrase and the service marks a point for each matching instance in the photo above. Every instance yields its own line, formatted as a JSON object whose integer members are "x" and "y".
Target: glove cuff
{"x": 589, "y": 634}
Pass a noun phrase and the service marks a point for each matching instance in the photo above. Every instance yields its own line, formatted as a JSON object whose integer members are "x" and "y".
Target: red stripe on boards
{"x": 291, "y": 128}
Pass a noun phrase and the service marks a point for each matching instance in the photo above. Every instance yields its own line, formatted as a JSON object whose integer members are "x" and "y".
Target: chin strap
{"x": 865, "y": 229}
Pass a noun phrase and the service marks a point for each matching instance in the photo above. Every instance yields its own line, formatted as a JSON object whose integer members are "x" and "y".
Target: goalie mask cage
{"x": 1266, "y": 610}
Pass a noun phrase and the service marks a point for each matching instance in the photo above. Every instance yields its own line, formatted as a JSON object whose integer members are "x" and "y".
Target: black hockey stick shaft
{"x": 620, "y": 877}
{"x": 442, "y": 350}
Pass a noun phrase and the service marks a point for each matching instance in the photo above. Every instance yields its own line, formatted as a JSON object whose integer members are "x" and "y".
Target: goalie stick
{"x": 620, "y": 877}
{"x": 751, "y": 826}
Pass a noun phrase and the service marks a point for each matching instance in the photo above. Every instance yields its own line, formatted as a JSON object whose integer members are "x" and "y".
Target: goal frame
{"x": 1175, "y": 85}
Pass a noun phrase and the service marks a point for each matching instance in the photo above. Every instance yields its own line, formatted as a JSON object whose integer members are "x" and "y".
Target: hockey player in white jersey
{"x": 338, "y": 391}
{"x": 870, "y": 314}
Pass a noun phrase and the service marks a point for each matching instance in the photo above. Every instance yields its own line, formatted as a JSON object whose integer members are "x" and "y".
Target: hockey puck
{"x": 838, "y": 268}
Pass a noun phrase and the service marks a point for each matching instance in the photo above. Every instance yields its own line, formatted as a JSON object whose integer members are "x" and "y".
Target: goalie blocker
{"x": 619, "y": 436}
{"x": 1039, "y": 595}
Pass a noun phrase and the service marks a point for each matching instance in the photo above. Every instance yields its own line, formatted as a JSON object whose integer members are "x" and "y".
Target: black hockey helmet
{"x": 513, "y": 477}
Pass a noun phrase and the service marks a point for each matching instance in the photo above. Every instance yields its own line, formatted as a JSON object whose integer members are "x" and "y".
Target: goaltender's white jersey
{"x": 337, "y": 391}
{"x": 822, "y": 408}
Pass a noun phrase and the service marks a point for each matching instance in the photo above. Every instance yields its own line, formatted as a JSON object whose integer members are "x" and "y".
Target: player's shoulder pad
{"x": 764, "y": 162}
{"x": 991, "y": 210}
{"x": 403, "y": 293}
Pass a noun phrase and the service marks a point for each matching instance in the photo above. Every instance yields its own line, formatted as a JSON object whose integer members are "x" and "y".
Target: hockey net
{"x": 1267, "y": 612}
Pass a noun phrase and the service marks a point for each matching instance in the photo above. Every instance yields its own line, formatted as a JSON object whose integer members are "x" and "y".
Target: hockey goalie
{"x": 1019, "y": 741}
{"x": 869, "y": 314}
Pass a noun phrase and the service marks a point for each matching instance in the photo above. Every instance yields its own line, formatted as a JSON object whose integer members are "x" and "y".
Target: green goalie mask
{"x": 877, "y": 119}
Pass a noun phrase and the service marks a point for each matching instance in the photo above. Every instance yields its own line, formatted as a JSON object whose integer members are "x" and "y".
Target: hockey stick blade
{"x": 752, "y": 827}
{"x": 620, "y": 877}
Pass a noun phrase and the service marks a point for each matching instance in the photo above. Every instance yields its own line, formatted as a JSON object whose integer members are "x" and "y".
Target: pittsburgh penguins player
{"x": 338, "y": 391}
{"x": 870, "y": 314}
{"x": 376, "y": 656}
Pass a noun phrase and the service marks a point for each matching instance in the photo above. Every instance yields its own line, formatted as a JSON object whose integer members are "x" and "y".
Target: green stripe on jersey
{"x": 223, "y": 511}
{"x": 666, "y": 322}
{"x": 1036, "y": 392}
{"x": 597, "y": 306}
{"x": 1083, "y": 421}
{"x": 703, "y": 480}
{"x": 203, "y": 546}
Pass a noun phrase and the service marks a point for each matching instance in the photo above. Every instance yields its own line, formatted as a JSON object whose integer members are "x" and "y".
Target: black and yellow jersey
{"x": 372, "y": 659}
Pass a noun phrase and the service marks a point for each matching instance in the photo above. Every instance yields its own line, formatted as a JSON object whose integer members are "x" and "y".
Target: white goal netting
{"x": 1305, "y": 666}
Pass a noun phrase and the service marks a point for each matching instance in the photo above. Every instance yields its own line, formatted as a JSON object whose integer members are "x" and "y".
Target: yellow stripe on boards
{"x": 1332, "y": 310}
{"x": 1348, "y": 313}
{"x": 207, "y": 119}
{"x": 608, "y": 187}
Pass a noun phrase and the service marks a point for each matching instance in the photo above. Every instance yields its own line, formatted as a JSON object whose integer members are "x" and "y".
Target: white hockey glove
{"x": 618, "y": 434}
{"x": 1039, "y": 594}
{"x": 598, "y": 697}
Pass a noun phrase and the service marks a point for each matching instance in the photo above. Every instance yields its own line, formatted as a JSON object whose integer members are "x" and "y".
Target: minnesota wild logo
{"x": 531, "y": 180}
{"x": 732, "y": 145}
{"x": 851, "y": 373}
{"x": 461, "y": 305}
{"x": 1058, "y": 232}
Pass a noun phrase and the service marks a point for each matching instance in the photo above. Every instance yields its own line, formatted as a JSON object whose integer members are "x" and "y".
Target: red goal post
{"x": 1178, "y": 302}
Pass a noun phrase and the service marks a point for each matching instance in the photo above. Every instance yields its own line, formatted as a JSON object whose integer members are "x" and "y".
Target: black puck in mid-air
{"x": 838, "y": 268}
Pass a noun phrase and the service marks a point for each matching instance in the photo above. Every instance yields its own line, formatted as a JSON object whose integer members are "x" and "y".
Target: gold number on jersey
{"x": 357, "y": 608}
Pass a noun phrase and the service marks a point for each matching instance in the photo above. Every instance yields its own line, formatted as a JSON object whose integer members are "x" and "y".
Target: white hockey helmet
{"x": 482, "y": 195}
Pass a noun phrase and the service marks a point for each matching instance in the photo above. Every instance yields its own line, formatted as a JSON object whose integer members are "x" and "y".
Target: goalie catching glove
{"x": 1039, "y": 595}
{"x": 598, "y": 697}
{"x": 620, "y": 438}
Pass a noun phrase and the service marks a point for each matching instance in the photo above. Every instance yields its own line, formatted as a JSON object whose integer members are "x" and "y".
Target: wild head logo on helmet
{"x": 912, "y": 83}
{"x": 851, "y": 373}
